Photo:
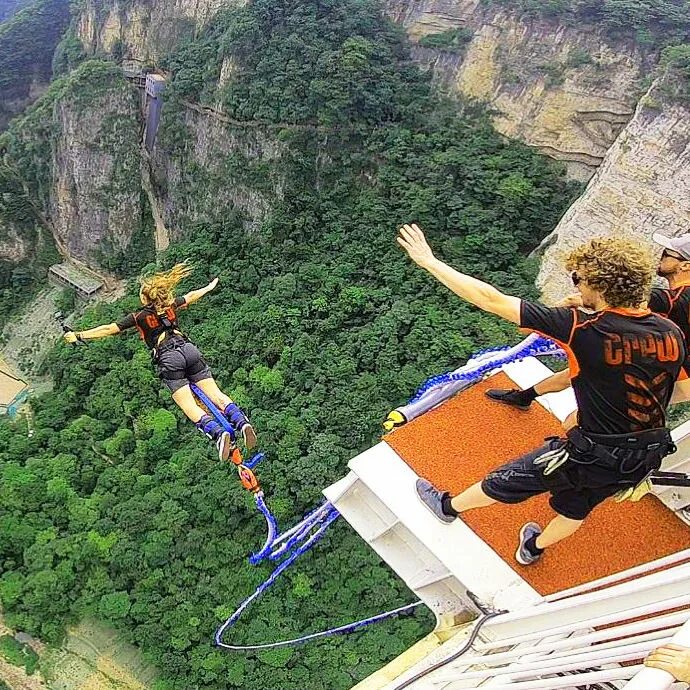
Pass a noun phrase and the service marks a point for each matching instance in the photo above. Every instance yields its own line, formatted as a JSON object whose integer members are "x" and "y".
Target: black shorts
{"x": 181, "y": 364}
{"x": 575, "y": 489}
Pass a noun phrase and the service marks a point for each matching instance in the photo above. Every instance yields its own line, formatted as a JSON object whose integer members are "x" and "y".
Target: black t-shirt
{"x": 675, "y": 304}
{"x": 623, "y": 363}
{"x": 149, "y": 324}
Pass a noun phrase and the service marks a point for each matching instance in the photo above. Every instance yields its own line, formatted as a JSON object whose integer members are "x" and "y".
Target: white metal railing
{"x": 674, "y": 558}
{"x": 654, "y": 678}
{"x": 548, "y": 647}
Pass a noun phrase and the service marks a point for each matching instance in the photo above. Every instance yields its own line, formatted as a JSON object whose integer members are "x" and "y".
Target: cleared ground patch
{"x": 94, "y": 657}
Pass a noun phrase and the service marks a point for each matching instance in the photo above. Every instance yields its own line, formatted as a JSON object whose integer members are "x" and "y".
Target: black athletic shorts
{"x": 575, "y": 489}
{"x": 181, "y": 364}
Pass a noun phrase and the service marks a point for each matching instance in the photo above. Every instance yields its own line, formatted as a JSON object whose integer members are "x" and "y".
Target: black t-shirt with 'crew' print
{"x": 623, "y": 363}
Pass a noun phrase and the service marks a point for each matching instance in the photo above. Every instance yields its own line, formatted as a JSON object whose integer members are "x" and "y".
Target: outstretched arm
{"x": 196, "y": 295}
{"x": 481, "y": 294}
{"x": 92, "y": 333}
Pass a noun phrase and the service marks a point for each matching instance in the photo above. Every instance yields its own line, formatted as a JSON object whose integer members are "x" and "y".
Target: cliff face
{"x": 230, "y": 166}
{"x": 642, "y": 187}
{"x": 72, "y": 170}
{"x": 13, "y": 247}
{"x": 565, "y": 90}
{"x": 94, "y": 202}
{"x": 10, "y": 107}
{"x": 143, "y": 30}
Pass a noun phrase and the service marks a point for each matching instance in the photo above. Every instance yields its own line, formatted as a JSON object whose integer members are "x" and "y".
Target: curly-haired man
{"x": 624, "y": 363}
{"x": 672, "y": 302}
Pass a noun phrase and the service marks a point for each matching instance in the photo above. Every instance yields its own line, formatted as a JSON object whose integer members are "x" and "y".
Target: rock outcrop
{"x": 642, "y": 187}
{"x": 72, "y": 170}
{"x": 566, "y": 90}
{"x": 225, "y": 158}
{"x": 140, "y": 30}
{"x": 94, "y": 203}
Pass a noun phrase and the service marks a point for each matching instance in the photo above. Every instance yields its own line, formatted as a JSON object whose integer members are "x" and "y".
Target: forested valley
{"x": 116, "y": 507}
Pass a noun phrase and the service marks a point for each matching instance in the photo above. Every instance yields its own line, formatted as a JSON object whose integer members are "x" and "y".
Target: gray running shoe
{"x": 431, "y": 497}
{"x": 523, "y": 555}
{"x": 511, "y": 397}
{"x": 225, "y": 445}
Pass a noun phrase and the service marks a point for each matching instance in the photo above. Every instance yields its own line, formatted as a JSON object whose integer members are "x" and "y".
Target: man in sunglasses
{"x": 673, "y": 303}
{"x": 624, "y": 364}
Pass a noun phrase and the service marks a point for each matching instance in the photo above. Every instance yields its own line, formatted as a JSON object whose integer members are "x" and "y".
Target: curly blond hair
{"x": 619, "y": 269}
{"x": 158, "y": 290}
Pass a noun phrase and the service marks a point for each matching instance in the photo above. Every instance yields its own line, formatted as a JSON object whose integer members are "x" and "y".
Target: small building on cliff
{"x": 67, "y": 275}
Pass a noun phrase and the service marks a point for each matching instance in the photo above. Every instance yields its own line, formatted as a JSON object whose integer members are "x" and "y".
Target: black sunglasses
{"x": 575, "y": 278}
{"x": 672, "y": 256}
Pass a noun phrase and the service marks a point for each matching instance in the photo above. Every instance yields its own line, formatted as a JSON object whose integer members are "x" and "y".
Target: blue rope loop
{"x": 332, "y": 516}
{"x": 272, "y": 530}
{"x": 254, "y": 460}
{"x": 296, "y": 541}
{"x": 540, "y": 347}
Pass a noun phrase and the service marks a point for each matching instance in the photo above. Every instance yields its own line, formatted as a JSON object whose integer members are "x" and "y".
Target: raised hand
{"x": 212, "y": 284}
{"x": 412, "y": 240}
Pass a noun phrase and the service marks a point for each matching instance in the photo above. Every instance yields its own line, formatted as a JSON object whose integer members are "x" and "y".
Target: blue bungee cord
{"x": 538, "y": 347}
{"x": 313, "y": 526}
{"x": 306, "y": 533}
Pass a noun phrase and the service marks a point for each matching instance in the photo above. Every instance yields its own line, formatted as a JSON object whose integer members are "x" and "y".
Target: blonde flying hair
{"x": 158, "y": 290}
{"x": 620, "y": 270}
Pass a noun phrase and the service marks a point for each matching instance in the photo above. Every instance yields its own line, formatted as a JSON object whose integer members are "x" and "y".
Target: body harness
{"x": 166, "y": 337}
{"x": 626, "y": 455}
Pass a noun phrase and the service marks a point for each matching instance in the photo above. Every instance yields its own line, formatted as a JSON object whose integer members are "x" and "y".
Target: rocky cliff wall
{"x": 141, "y": 30}
{"x": 203, "y": 167}
{"x": 642, "y": 187}
{"x": 94, "y": 204}
{"x": 566, "y": 90}
{"x": 72, "y": 170}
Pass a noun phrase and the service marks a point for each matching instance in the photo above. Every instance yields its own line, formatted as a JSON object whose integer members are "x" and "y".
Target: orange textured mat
{"x": 456, "y": 444}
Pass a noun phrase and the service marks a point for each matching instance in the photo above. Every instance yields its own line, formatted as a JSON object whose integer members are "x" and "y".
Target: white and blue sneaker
{"x": 225, "y": 445}
{"x": 432, "y": 498}
{"x": 523, "y": 555}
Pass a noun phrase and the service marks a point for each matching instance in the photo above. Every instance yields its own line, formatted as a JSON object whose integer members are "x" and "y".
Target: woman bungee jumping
{"x": 178, "y": 361}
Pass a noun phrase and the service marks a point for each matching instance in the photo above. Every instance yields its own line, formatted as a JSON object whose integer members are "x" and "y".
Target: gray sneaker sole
{"x": 249, "y": 436}
{"x": 420, "y": 487}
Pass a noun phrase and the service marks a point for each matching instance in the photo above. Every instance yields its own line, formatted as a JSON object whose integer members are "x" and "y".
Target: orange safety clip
{"x": 248, "y": 479}
{"x": 236, "y": 456}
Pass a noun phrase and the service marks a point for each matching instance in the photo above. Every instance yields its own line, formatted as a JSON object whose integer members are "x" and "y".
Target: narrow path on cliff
{"x": 259, "y": 124}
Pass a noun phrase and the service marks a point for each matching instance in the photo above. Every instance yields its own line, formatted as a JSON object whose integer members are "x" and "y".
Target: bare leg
{"x": 554, "y": 384}
{"x": 219, "y": 398}
{"x": 210, "y": 387}
{"x": 558, "y": 529}
{"x": 187, "y": 403}
{"x": 474, "y": 497}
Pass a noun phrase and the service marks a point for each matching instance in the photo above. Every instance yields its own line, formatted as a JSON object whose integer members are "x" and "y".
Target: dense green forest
{"x": 652, "y": 23}
{"x": 116, "y": 508}
{"x": 10, "y": 7}
{"x": 27, "y": 44}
